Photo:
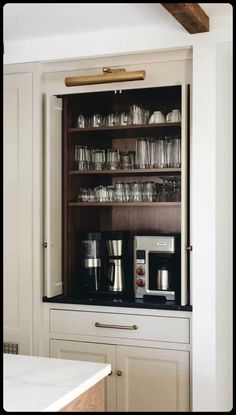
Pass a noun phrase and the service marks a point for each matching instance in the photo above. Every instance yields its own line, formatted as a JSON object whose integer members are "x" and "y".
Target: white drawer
{"x": 164, "y": 329}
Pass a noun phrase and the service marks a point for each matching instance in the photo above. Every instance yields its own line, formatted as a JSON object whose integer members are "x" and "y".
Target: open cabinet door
{"x": 184, "y": 195}
{"x": 53, "y": 196}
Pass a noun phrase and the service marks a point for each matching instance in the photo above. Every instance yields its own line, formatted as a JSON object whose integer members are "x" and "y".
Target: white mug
{"x": 156, "y": 118}
{"x": 173, "y": 116}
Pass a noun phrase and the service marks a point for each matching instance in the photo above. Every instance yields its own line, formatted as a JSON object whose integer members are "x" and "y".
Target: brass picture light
{"x": 108, "y": 75}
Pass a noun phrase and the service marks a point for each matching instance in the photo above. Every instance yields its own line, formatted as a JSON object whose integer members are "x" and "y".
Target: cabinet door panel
{"x": 152, "y": 380}
{"x": 53, "y": 196}
{"x": 184, "y": 194}
{"x": 91, "y": 352}
{"x": 18, "y": 210}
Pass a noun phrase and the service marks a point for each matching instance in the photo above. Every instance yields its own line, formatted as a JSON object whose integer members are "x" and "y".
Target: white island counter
{"x": 40, "y": 384}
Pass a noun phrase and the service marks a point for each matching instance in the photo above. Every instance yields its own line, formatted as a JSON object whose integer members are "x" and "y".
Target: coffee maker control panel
{"x": 140, "y": 267}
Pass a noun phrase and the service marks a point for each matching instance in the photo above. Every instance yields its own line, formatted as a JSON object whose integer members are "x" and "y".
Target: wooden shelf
{"x": 140, "y": 218}
{"x": 123, "y": 204}
{"x": 123, "y": 131}
{"x": 126, "y": 172}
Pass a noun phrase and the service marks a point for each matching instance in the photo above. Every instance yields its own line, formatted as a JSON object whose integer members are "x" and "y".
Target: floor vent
{"x": 11, "y": 348}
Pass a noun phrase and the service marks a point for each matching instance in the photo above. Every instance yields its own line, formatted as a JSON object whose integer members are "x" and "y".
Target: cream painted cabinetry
{"x": 152, "y": 379}
{"x": 90, "y": 352}
{"x": 142, "y": 379}
{"x": 18, "y": 210}
{"x": 149, "y": 352}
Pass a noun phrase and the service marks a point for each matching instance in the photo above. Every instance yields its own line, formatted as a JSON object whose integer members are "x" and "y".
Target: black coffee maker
{"x": 105, "y": 264}
{"x": 90, "y": 250}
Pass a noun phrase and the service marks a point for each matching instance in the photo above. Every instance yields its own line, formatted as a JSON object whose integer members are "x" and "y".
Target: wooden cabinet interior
{"x": 152, "y": 217}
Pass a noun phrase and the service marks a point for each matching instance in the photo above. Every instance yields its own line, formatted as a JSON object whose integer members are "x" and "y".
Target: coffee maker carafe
{"x": 115, "y": 263}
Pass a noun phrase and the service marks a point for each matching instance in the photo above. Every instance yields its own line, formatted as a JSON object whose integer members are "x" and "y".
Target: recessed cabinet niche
{"x": 92, "y": 125}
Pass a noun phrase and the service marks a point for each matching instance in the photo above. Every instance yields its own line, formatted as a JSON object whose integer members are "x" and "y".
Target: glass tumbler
{"x": 100, "y": 193}
{"x": 124, "y": 119}
{"x": 119, "y": 192}
{"x": 88, "y": 157}
{"x": 141, "y": 161}
{"x": 136, "y": 192}
{"x": 167, "y": 152}
{"x": 146, "y": 115}
{"x": 159, "y": 153}
{"x": 95, "y": 120}
{"x": 124, "y": 160}
{"x": 83, "y": 195}
{"x": 80, "y": 121}
{"x": 131, "y": 159}
{"x": 136, "y": 113}
{"x": 111, "y": 193}
{"x": 148, "y": 194}
{"x": 151, "y": 145}
{"x": 127, "y": 192}
{"x": 175, "y": 152}
{"x": 113, "y": 119}
{"x": 99, "y": 158}
{"x": 80, "y": 157}
{"x": 113, "y": 159}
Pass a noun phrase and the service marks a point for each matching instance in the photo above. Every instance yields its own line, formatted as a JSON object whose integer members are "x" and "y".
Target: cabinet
{"x": 103, "y": 353}
{"x": 152, "y": 380}
{"x": 69, "y": 216}
{"x": 149, "y": 353}
{"x": 18, "y": 210}
{"x": 142, "y": 379}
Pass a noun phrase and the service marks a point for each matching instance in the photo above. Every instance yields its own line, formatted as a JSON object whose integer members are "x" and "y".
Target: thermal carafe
{"x": 163, "y": 279}
{"x": 114, "y": 244}
{"x": 116, "y": 275}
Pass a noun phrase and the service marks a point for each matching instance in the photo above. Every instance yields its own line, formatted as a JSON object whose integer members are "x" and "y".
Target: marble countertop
{"x": 41, "y": 384}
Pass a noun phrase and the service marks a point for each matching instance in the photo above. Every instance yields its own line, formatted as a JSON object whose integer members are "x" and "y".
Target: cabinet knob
{"x": 110, "y": 373}
{"x": 189, "y": 248}
{"x": 119, "y": 373}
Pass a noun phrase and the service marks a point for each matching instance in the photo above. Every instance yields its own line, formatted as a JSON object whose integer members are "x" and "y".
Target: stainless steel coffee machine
{"x": 157, "y": 266}
{"x": 116, "y": 261}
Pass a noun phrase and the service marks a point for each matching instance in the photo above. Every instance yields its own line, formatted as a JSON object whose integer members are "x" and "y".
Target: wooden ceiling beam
{"x": 190, "y": 15}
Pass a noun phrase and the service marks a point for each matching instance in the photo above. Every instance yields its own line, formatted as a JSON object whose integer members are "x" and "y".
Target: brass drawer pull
{"x": 116, "y": 326}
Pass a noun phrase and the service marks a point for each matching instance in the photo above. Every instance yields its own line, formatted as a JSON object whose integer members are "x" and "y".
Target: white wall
{"x": 166, "y": 34}
{"x": 211, "y": 216}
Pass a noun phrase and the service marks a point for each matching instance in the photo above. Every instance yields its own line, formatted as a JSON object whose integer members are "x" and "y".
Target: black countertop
{"x": 158, "y": 303}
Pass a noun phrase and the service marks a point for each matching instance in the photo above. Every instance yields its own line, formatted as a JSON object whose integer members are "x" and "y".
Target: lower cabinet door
{"x": 91, "y": 352}
{"x": 152, "y": 380}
